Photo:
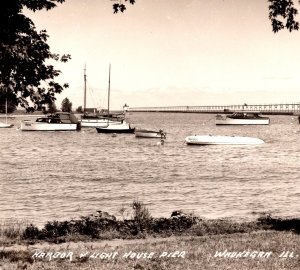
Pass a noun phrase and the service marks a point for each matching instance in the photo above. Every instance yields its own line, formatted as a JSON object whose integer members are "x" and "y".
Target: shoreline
{"x": 105, "y": 227}
{"x": 182, "y": 241}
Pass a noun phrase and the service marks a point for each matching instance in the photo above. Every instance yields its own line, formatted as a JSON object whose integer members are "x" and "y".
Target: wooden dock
{"x": 279, "y": 109}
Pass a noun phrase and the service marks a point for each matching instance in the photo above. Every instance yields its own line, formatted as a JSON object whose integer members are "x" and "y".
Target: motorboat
{"x": 143, "y": 133}
{"x": 116, "y": 127}
{"x": 242, "y": 118}
{"x": 213, "y": 140}
{"x": 60, "y": 121}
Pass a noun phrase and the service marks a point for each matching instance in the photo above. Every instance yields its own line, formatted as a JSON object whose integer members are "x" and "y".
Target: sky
{"x": 173, "y": 53}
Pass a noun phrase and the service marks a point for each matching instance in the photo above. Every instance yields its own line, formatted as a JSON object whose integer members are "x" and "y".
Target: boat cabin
{"x": 58, "y": 118}
{"x": 245, "y": 115}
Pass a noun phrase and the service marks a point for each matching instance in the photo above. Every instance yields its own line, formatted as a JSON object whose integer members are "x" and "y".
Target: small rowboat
{"x": 116, "y": 127}
{"x": 143, "y": 133}
{"x": 213, "y": 140}
{"x": 5, "y": 125}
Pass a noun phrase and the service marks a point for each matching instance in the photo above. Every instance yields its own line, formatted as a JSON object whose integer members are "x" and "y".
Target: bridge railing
{"x": 290, "y": 108}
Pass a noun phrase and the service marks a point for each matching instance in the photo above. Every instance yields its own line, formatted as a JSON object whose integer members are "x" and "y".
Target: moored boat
{"x": 116, "y": 127}
{"x": 60, "y": 121}
{"x": 5, "y": 125}
{"x": 213, "y": 140}
{"x": 98, "y": 119}
{"x": 143, "y": 133}
{"x": 242, "y": 118}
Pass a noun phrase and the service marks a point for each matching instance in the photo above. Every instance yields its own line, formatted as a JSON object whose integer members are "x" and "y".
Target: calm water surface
{"x": 61, "y": 175}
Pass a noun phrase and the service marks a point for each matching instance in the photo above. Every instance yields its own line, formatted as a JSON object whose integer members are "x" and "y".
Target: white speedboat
{"x": 143, "y": 133}
{"x": 242, "y": 118}
{"x": 212, "y": 140}
{"x": 115, "y": 127}
{"x": 60, "y": 121}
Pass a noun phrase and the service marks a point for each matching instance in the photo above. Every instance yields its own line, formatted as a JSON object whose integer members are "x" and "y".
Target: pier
{"x": 279, "y": 109}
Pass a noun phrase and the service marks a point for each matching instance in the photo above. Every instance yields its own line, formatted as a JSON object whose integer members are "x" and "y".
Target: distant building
{"x": 92, "y": 110}
{"x": 125, "y": 107}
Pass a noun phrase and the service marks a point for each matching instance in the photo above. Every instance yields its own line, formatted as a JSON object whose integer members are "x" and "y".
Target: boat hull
{"x": 96, "y": 122}
{"x": 148, "y": 134}
{"x": 60, "y": 121}
{"x": 216, "y": 140}
{"x": 120, "y": 127}
{"x": 105, "y": 130}
{"x": 241, "y": 119}
{"x": 28, "y": 125}
{"x": 230, "y": 121}
{"x": 4, "y": 125}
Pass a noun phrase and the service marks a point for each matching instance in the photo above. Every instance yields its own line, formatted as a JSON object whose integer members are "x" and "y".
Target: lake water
{"x": 61, "y": 175}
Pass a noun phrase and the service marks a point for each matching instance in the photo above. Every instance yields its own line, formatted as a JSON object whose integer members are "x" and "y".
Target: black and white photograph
{"x": 149, "y": 134}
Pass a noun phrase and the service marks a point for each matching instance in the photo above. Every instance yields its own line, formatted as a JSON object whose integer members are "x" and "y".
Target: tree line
{"x": 66, "y": 106}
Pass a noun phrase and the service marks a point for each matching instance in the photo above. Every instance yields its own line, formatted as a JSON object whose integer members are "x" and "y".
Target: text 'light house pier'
{"x": 287, "y": 108}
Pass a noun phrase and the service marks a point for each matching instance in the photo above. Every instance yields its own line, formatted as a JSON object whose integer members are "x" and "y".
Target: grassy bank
{"x": 142, "y": 242}
{"x": 261, "y": 250}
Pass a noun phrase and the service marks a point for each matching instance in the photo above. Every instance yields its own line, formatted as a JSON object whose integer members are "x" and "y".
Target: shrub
{"x": 31, "y": 232}
{"x": 268, "y": 222}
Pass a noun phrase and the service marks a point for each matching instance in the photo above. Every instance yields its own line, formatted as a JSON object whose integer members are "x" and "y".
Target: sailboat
{"x": 98, "y": 119}
{"x": 113, "y": 126}
{"x": 5, "y": 125}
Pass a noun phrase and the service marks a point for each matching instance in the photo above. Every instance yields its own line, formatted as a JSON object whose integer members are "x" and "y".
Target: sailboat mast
{"x": 6, "y": 110}
{"x": 84, "y": 97}
{"x": 108, "y": 98}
